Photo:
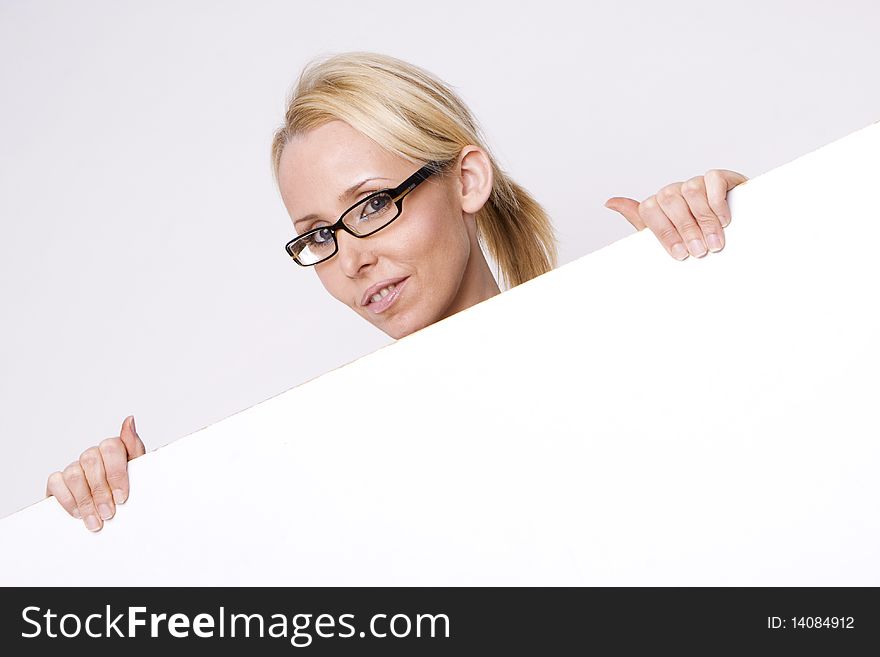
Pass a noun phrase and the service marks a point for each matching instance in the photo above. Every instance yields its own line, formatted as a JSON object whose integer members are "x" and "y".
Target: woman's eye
{"x": 375, "y": 206}
{"x": 323, "y": 237}
{"x": 315, "y": 225}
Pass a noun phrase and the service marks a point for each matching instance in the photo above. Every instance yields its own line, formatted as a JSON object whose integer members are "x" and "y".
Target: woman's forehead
{"x": 333, "y": 150}
{"x": 318, "y": 167}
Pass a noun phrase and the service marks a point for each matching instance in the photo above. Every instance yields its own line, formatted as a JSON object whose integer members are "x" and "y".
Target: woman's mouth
{"x": 381, "y": 300}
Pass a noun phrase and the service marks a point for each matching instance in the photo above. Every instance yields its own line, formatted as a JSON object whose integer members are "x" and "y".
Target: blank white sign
{"x": 625, "y": 419}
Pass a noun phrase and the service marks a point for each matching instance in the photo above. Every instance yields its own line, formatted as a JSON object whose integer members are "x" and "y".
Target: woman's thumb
{"x": 132, "y": 441}
{"x": 628, "y": 207}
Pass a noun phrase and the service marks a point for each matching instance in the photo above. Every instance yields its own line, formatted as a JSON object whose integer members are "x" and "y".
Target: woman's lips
{"x": 377, "y": 307}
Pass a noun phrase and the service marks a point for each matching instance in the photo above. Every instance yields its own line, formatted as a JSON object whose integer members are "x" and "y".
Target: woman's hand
{"x": 91, "y": 487}
{"x": 687, "y": 217}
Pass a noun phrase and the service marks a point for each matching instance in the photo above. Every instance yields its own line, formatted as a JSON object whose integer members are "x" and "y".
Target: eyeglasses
{"x": 362, "y": 219}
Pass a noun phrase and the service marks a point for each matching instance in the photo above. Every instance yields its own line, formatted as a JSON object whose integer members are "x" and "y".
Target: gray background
{"x": 141, "y": 263}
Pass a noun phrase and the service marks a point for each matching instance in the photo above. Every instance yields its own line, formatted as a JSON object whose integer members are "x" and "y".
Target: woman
{"x": 392, "y": 191}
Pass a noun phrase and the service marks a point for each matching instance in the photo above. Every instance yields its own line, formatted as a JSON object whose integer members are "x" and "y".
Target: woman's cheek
{"x": 332, "y": 282}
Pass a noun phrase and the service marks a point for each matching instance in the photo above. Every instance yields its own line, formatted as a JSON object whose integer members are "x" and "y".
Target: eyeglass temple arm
{"x": 410, "y": 183}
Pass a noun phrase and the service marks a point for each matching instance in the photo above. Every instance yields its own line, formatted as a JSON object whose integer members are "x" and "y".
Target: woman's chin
{"x": 401, "y": 326}
{"x": 397, "y": 331}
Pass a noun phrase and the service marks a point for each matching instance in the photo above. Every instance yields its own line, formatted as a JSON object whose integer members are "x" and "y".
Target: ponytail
{"x": 517, "y": 232}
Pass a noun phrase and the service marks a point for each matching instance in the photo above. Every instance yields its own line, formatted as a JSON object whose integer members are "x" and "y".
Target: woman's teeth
{"x": 384, "y": 292}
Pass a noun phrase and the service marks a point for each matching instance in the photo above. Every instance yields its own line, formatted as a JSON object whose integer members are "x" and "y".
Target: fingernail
{"x": 77, "y": 514}
{"x": 134, "y": 430}
{"x": 714, "y": 242}
{"x": 697, "y": 248}
{"x": 679, "y": 252}
{"x": 118, "y": 496}
{"x": 105, "y": 511}
{"x": 92, "y": 524}
{"x": 724, "y": 221}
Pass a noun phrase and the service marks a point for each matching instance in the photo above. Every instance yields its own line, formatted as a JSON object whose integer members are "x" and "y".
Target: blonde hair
{"x": 411, "y": 113}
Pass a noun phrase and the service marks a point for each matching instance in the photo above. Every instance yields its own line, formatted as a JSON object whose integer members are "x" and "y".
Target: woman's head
{"x": 372, "y": 119}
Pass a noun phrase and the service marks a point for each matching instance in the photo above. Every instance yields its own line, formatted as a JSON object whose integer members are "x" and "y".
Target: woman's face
{"x": 425, "y": 258}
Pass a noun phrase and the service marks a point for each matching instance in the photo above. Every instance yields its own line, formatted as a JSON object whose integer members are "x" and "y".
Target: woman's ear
{"x": 475, "y": 171}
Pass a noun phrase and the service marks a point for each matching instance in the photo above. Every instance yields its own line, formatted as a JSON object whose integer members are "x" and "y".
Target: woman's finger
{"x": 93, "y": 466}
{"x": 627, "y": 207}
{"x": 115, "y": 459}
{"x": 55, "y": 487}
{"x": 676, "y": 209}
{"x": 718, "y": 183}
{"x": 655, "y": 219}
{"x": 694, "y": 193}
{"x": 134, "y": 446}
{"x": 76, "y": 482}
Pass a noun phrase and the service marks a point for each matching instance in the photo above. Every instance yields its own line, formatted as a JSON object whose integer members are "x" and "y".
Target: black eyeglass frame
{"x": 397, "y": 195}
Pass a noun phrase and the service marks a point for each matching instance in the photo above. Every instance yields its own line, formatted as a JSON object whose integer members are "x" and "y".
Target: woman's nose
{"x": 354, "y": 253}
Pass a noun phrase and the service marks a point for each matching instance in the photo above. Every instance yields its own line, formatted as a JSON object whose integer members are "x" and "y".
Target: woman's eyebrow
{"x": 344, "y": 195}
{"x": 351, "y": 190}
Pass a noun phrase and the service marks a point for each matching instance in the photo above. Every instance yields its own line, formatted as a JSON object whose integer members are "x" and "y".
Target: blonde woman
{"x": 392, "y": 190}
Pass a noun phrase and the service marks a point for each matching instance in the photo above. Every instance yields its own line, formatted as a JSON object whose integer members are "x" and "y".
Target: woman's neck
{"x": 477, "y": 284}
